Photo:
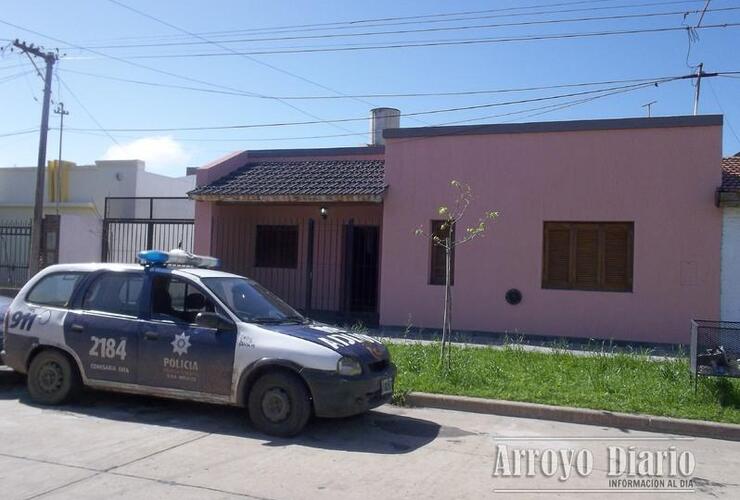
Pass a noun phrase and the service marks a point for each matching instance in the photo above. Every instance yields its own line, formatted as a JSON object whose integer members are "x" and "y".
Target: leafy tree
{"x": 448, "y": 240}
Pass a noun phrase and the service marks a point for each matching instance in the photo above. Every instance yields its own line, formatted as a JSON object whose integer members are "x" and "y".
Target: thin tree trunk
{"x": 447, "y": 329}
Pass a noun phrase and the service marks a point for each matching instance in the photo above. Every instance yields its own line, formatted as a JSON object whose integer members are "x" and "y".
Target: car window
{"x": 54, "y": 290}
{"x": 178, "y": 300}
{"x": 115, "y": 293}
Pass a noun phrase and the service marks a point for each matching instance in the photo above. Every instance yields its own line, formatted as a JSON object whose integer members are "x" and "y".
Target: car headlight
{"x": 348, "y": 366}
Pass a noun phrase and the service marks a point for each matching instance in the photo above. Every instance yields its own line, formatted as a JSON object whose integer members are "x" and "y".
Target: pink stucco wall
{"x": 663, "y": 179}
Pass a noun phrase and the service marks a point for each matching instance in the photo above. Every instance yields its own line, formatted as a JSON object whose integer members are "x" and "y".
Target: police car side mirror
{"x": 213, "y": 320}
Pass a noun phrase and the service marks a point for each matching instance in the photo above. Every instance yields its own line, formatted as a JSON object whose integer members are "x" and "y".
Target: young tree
{"x": 447, "y": 239}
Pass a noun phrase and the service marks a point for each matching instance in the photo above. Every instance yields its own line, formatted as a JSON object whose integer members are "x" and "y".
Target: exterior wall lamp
{"x": 324, "y": 212}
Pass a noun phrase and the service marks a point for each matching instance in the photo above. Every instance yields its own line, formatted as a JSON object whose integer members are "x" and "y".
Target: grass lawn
{"x": 629, "y": 383}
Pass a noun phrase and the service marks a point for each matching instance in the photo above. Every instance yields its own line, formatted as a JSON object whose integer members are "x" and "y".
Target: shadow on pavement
{"x": 373, "y": 432}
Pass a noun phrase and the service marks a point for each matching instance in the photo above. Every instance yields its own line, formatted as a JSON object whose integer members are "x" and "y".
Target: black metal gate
{"x": 15, "y": 249}
{"x": 132, "y": 224}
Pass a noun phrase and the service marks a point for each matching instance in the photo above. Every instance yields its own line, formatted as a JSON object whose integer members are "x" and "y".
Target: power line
{"x": 424, "y": 30}
{"x": 20, "y": 132}
{"x": 437, "y": 43}
{"x": 339, "y": 25}
{"x": 119, "y": 59}
{"x": 245, "y": 56}
{"x": 538, "y": 110}
{"x": 372, "y": 95}
{"x": 719, "y": 104}
{"x": 87, "y": 112}
{"x": 428, "y": 112}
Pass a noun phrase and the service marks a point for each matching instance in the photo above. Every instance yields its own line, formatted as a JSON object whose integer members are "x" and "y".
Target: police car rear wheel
{"x": 279, "y": 404}
{"x": 52, "y": 379}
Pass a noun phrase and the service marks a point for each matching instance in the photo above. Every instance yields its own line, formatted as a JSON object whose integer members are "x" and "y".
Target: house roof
{"x": 556, "y": 126}
{"x": 301, "y": 180}
{"x": 731, "y": 173}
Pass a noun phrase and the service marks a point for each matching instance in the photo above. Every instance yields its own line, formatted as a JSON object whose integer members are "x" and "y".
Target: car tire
{"x": 279, "y": 404}
{"x": 52, "y": 378}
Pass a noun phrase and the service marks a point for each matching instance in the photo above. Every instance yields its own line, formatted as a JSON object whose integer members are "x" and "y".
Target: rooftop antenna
{"x": 649, "y": 106}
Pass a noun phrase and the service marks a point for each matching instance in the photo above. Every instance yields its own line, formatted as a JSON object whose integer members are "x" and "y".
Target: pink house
{"x": 608, "y": 228}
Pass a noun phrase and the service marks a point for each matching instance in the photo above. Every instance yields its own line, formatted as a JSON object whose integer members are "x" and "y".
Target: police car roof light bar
{"x": 159, "y": 258}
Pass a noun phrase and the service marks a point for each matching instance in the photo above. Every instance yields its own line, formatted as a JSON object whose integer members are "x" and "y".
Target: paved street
{"x": 112, "y": 445}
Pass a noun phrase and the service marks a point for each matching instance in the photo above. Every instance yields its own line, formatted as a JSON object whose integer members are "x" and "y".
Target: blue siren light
{"x": 177, "y": 256}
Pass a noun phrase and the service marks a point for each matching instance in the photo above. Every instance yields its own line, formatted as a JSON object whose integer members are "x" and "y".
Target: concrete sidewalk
{"x": 115, "y": 446}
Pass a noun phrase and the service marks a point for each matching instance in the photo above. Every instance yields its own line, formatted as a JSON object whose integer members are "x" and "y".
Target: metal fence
{"x": 15, "y": 249}
{"x": 132, "y": 224}
{"x": 715, "y": 348}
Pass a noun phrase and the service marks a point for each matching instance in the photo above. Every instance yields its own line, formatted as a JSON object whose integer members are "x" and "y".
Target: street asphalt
{"x": 117, "y": 446}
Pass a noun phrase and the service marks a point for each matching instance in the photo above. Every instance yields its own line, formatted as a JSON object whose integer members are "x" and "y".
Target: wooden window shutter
{"x": 586, "y": 249}
{"x": 557, "y": 255}
{"x": 618, "y": 257}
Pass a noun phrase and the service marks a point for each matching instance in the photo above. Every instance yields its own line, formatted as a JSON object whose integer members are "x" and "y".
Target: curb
{"x": 649, "y": 423}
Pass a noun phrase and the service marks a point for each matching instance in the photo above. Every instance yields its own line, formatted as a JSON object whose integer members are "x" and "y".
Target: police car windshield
{"x": 251, "y": 301}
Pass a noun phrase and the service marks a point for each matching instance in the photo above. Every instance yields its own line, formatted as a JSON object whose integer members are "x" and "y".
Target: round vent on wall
{"x": 513, "y": 296}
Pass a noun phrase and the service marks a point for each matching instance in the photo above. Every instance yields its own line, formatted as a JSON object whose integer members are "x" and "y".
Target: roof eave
{"x": 289, "y": 198}
{"x": 728, "y": 197}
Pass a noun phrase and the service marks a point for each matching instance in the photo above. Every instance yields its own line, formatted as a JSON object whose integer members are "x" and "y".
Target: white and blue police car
{"x": 189, "y": 332}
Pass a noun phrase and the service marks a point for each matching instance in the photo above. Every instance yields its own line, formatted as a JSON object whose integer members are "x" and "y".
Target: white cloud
{"x": 163, "y": 155}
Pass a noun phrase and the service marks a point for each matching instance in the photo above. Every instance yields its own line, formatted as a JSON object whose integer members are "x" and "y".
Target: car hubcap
{"x": 276, "y": 405}
{"x": 51, "y": 377}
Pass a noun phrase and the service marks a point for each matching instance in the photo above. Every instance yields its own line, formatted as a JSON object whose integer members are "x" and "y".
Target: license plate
{"x": 386, "y": 386}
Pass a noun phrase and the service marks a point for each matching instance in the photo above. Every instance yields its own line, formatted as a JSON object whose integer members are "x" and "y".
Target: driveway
{"x": 110, "y": 445}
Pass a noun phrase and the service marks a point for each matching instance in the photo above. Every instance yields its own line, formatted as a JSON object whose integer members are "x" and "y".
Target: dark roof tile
{"x": 731, "y": 173}
{"x": 313, "y": 177}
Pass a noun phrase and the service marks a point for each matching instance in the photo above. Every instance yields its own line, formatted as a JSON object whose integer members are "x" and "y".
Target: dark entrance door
{"x": 363, "y": 256}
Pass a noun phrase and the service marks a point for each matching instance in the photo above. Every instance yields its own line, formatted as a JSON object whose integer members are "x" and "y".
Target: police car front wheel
{"x": 279, "y": 404}
{"x": 52, "y": 379}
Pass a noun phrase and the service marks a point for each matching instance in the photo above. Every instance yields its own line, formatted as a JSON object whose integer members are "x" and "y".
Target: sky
{"x": 102, "y": 42}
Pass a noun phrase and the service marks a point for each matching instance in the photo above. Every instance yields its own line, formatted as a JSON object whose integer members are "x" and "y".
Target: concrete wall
{"x": 80, "y": 238}
{"x": 731, "y": 264}
{"x": 663, "y": 179}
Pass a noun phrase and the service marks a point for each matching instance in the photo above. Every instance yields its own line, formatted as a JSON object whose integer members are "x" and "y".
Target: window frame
{"x": 82, "y": 274}
{"x": 105, "y": 274}
{"x": 434, "y": 246}
{"x": 150, "y": 315}
{"x": 294, "y": 253}
{"x": 602, "y": 227}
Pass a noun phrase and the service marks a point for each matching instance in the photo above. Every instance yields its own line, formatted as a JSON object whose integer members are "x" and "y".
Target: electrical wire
{"x": 418, "y": 113}
{"x": 252, "y": 59}
{"x": 423, "y": 30}
{"x": 354, "y": 24}
{"x": 87, "y": 112}
{"x": 437, "y": 43}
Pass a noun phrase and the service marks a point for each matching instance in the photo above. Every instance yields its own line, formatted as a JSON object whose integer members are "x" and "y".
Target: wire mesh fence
{"x": 715, "y": 348}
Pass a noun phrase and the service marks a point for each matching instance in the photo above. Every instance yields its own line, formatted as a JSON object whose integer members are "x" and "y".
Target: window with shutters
{"x": 276, "y": 246}
{"x": 588, "y": 256}
{"x": 437, "y": 260}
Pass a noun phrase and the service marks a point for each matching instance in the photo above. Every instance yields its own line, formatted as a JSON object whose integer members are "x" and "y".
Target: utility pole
{"x": 34, "y": 263}
{"x": 699, "y": 74}
{"x": 58, "y": 181}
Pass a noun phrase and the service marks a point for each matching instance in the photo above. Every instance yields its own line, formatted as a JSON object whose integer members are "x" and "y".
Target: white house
{"x": 78, "y": 192}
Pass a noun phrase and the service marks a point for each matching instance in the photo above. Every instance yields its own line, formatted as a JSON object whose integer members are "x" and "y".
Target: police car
{"x": 192, "y": 333}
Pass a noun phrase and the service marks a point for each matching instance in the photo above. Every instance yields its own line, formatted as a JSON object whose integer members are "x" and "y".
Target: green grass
{"x": 630, "y": 383}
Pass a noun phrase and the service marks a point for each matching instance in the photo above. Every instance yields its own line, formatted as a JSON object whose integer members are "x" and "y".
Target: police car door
{"x": 176, "y": 353}
{"x": 103, "y": 332}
